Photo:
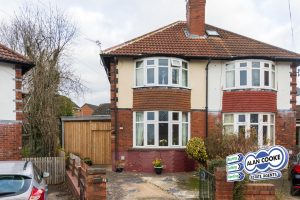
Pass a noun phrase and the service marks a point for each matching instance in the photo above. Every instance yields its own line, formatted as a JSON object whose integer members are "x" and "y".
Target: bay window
{"x": 260, "y": 126}
{"x": 161, "y": 72}
{"x": 250, "y": 74}
{"x": 161, "y": 129}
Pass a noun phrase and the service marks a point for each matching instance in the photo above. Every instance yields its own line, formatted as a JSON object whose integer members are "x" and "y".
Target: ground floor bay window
{"x": 161, "y": 129}
{"x": 257, "y": 125}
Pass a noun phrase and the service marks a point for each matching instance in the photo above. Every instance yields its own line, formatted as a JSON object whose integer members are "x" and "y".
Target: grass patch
{"x": 192, "y": 183}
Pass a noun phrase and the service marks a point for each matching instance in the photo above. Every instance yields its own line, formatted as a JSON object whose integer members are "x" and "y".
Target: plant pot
{"x": 119, "y": 169}
{"x": 158, "y": 170}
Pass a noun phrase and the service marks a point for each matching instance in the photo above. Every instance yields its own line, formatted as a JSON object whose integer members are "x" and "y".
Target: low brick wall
{"x": 224, "y": 190}
{"x": 86, "y": 182}
{"x": 252, "y": 191}
{"x": 257, "y": 191}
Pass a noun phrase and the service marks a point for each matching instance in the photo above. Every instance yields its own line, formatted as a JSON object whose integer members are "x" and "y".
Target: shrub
{"x": 220, "y": 146}
{"x": 213, "y": 164}
{"x": 196, "y": 149}
{"x": 25, "y": 152}
{"x": 88, "y": 161}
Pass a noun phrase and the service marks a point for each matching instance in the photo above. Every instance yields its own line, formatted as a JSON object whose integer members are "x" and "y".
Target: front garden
{"x": 211, "y": 153}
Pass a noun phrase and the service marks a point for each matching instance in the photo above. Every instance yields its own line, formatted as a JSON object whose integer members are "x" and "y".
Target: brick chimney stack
{"x": 195, "y": 14}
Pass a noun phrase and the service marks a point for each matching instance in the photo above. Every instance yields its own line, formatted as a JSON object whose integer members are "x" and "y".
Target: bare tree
{"x": 44, "y": 34}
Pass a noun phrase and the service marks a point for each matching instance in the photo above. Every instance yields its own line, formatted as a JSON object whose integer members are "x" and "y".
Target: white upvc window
{"x": 161, "y": 71}
{"x": 244, "y": 74}
{"x": 257, "y": 125}
{"x": 161, "y": 129}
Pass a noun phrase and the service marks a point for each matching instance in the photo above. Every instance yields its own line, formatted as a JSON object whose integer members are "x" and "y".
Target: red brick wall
{"x": 198, "y": 123}
{"x": 259, "y": 191}
{"x": 125, "y": 129}
{"x": 250, "y": 101}
{"x": 11, "y": 141}
{"x": 161, "y": 99}
{"x": 174, "y": 160}
{"x": 252, "y": 191}
{"x": 196, "y": 17}
{"x": 285, "y": 124}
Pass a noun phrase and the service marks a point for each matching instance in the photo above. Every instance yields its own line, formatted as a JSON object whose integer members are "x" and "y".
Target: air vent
{"x": 212, "y": 33}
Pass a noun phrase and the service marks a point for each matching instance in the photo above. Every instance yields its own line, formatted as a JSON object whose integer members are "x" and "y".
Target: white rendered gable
{"x": 7, "y": 93}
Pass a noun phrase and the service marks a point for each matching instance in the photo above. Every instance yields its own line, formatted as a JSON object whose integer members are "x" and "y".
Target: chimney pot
{"x": 195, "y": 13}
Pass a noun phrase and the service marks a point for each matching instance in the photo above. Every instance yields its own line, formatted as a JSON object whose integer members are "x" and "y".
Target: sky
{"x": 115, "y": 21}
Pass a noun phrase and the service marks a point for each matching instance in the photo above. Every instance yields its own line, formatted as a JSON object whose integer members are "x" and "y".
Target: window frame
{"x": 156, "y": 123}
{"x": 156, "y": 67}
{"x": 271, "y": 70}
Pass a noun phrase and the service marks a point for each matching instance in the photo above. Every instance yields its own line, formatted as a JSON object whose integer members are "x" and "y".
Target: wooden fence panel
{"x": 89, "y": 139}
{"x": 54, "y": 165}
{"x": 101, "y": 147}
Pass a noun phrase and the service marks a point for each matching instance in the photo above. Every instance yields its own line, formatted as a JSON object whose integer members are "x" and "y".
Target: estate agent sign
{"x": 264, "y": 164}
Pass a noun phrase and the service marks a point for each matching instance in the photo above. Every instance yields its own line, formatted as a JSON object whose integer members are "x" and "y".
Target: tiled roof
{"x": 8, "y": 55}
{"x": 103, "y": 109}
{"x": 172, "y": 40}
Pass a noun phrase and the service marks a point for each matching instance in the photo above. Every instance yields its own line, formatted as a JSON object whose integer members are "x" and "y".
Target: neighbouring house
{"x": 189, "y": 79}
{"x": 103, "y": 109}
{"x": 86, "y": 110}
{"x": 12, "y": 67}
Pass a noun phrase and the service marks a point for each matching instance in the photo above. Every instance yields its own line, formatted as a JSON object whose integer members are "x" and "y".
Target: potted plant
{"x": 157, "y": 164}
{"x": 119, "y": 166}
{"x": 86, "y": 162}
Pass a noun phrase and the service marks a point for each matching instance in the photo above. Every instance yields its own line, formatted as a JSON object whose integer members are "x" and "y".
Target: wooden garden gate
{"x": 88, "y": 138}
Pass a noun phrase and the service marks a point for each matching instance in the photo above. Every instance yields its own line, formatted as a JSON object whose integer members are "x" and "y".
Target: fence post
{"x": 79, "y": 175}
{"x": 73, "y": 167}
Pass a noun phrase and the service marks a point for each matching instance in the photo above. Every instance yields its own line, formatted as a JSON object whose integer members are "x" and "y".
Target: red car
{"x": 294, "y": 174}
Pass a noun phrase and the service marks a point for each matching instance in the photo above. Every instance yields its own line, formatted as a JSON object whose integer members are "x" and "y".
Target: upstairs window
{"x": 161, "y": 72}
{"x": 250, "y": 74}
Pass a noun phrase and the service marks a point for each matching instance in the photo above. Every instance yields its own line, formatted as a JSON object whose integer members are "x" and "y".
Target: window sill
{"x": 161, "y": 87}
{"x": 250, "y": 89}
{"x": 157, "y": 149}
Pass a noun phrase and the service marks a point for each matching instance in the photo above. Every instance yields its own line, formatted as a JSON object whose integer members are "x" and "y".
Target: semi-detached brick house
{"x": 191, "y": 79}
{"x": 12, "y": 67}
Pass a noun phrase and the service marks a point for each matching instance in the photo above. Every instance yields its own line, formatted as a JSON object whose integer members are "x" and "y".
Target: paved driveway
{"x": 140, "y": 186}
{"x": 59, "y": 192}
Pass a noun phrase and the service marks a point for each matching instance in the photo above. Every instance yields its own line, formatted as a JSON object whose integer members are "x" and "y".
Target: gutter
{"x": 206, "y": 98}
{"x": 187, "y": 57}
